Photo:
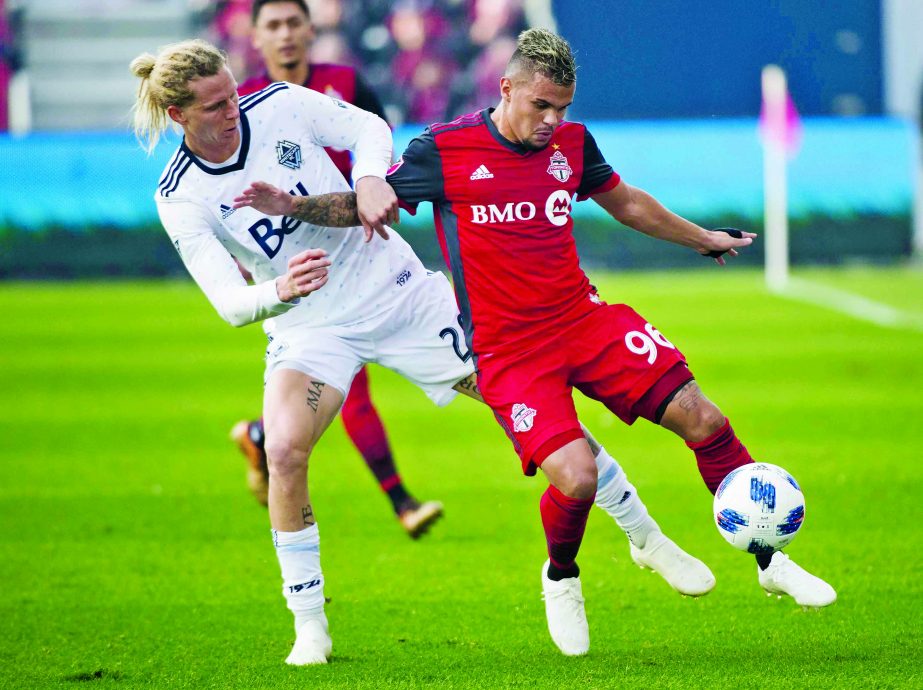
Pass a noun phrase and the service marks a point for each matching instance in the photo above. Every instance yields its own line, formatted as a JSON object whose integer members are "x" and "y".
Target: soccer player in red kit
{"x": 502, "y": 181}
{"x": 282, "y": 32}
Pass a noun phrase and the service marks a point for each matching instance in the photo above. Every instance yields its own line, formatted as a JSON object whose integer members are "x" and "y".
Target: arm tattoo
{"x": 469, "y": 386}
{"x": 336, "y": 210}
{"x": 315, "y": 389}
{"x": 307, "y": 516}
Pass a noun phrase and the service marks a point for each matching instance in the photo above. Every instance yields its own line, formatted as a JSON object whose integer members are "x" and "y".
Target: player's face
{"x": 211, "y": 121}
{"x": 534, "y": 108}
{"x": 282, "y": 33}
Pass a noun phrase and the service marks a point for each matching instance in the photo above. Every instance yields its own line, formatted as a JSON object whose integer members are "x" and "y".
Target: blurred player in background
{"x": 282, "y": 32}
{"x": 502, "y": 182}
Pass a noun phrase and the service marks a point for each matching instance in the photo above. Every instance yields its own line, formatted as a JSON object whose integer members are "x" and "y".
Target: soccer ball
{"x": 759, "y": 508}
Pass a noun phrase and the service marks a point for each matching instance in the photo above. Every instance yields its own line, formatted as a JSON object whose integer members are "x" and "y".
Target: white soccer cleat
{"x": 417, "y": 518}
{"x": 784, "y": 576}
{"x": 566, "y": 615}
{"x": 684, "y": 573}
{"x": 313, "y": 644}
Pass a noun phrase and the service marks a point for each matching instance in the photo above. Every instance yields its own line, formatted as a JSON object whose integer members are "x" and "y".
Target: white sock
{"x": 302, "y": 580}
{"x": 616, "y": 495}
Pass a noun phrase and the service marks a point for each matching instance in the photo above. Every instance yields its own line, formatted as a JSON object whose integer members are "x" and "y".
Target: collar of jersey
{"x": 502, "y": 140}
{"x": 241, "y": 158}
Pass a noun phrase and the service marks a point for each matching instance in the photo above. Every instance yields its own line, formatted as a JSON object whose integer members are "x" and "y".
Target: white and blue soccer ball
{"x": 759, "y": 508}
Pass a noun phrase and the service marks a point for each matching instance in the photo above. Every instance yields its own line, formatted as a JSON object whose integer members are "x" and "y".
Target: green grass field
{"x": 131, "y": 554}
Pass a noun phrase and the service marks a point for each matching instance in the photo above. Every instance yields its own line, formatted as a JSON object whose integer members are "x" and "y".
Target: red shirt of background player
{"x": 337, "y": 81}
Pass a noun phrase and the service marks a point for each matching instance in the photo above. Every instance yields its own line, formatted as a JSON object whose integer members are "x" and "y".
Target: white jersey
{"x": 284, "y": 128}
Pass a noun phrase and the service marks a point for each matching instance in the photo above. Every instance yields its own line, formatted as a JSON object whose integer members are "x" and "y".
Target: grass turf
{"x": 131, "y": 554}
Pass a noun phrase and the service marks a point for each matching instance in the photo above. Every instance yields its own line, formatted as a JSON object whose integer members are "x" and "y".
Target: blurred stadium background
{"x": 130, "y": 551}
{"x": 674, "y": 110}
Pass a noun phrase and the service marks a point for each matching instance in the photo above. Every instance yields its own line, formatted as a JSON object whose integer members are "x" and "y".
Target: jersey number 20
{"x": 456, "y": 341}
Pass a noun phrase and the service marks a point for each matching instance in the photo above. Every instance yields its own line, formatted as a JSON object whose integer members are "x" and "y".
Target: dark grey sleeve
{"x": 417, "y": 175}
{"x": 368, "y": 99}
{"x": 597, "y": 173}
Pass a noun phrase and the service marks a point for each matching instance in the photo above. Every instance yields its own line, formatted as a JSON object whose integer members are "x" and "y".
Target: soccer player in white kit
{"x": 378, "y": 302}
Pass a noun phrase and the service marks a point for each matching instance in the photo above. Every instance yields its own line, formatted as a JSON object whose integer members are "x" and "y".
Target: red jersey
{"x": 337, "y": 81}
{"x": 502, "y": 213}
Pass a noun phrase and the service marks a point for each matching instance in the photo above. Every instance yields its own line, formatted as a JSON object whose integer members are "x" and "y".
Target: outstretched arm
{"x": 640, "y": 211}
{"x": 334, "y": 210}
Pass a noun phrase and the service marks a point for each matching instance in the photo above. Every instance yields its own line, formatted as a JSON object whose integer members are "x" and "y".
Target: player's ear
{"x": 506, "y": 87}
{"x": 176, "y": 114}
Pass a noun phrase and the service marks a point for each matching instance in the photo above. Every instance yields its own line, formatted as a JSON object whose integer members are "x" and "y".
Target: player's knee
{"x": 286, "y": 458}
{"x": 578, "y": 482}
{"x": 706, "y": 420}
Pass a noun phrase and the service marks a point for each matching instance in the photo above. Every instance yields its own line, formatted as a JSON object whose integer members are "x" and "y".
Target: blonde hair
{"x": 541, "y": 51}
{"x": 165, "y": 81}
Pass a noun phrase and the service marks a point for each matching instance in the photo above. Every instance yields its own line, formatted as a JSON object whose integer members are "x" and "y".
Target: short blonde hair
{"x": 541, "y": 51}
{"x": 165, "y": 81}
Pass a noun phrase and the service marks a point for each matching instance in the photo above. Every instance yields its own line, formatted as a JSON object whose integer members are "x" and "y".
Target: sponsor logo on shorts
{"x": 276, "y": 348}
{"x": 522, "y": 417}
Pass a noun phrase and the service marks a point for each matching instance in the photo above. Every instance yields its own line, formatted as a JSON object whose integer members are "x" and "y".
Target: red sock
{"x": 718, "y": 454}
{"x": 365, "y": 430}
{"x": 564, "y": 519}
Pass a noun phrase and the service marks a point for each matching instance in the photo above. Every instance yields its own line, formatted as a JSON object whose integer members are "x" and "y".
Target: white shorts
{"x": 418, "y": 336}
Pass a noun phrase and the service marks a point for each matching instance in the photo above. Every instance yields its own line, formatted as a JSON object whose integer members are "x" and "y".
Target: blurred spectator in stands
{"x": 231, "y": 27}
{"x": 327, "y": 15}
{"x": 423, "y": 68}
{"x": 331, "y": 47}
{"x": 428, "y": 60}
{"x": 7, "y": 63}
{"x": 479, "y": 84}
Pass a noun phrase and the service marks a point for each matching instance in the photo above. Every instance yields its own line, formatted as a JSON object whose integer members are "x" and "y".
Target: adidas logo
{"x": 226, "y": 211}
{"x": 482, "y": 173}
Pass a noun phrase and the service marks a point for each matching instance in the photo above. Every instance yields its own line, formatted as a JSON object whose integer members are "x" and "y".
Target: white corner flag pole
{"x": 917, "y": 237}
{"x": 775, "y": 186}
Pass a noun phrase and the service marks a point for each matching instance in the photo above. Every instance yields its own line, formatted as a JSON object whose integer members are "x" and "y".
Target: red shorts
{"x": 612, "y": 355}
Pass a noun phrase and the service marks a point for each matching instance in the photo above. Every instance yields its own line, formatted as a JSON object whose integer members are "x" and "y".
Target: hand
{"x": 376, "y": 203}
{"x": 266, "y": 199}
{"x": 307, "y": 272}
{"x": 721, "y": 241}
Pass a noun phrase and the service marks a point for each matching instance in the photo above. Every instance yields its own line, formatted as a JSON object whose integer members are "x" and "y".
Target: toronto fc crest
{"x": 558, "y": 167}
{"x": 522, "y": 417}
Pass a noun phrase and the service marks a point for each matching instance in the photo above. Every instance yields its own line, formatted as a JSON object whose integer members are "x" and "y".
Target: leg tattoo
{"x": 314, "y": 392}
{"x": 307, "y": 515}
